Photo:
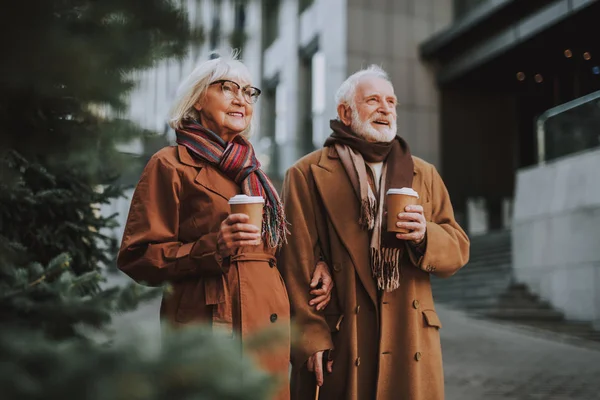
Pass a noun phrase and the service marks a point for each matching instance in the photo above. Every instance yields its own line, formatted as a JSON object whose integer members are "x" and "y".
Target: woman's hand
{"x": 234, "y": 233}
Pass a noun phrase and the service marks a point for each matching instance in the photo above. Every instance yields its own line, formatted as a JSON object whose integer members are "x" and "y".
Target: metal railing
{"x": 570, "y": 128}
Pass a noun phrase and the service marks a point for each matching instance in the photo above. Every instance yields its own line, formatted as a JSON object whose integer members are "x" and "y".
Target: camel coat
{"x": 386, "y": 345}
{"x": 170, "y": 236}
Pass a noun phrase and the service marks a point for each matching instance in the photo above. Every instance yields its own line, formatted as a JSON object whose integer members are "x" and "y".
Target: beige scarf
{"x": 397, "y": 171}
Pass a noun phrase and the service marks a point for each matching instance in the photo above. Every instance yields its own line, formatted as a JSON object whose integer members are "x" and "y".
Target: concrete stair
{"x": 481, "y": 282}
{"x": 485, "y": 288}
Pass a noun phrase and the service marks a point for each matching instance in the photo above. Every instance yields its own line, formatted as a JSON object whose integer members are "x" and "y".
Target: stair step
{"x": 499, "y": 258}
{"x": 491, "y": 258}
{"x": 487, "y": 299}
{"x": 580, "y": 329}
{"x": 496, "y": 247}
{"x": 500, "y": 264}
{"x": 472, "y": 281}
{"x": 478, "y": 274}
{"x": 498, "y": 287}
{"x": 525, "y": 314}
{"x": 484, "y": 289}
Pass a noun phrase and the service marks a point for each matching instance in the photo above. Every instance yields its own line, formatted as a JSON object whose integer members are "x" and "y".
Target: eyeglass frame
{"x": 222, "y": 81}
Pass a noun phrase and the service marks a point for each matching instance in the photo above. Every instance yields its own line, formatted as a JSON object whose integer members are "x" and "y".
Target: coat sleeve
{"x": 447, "y": 247}
{"x": 151, "y": 252}
{"x": 297, "y": 263}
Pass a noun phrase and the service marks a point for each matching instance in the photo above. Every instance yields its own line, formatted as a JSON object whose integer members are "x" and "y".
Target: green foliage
{"x": 190, "y": 364}
{"x": 53, "y": 301}
{"x": 48, "y": 214}
{"x": 67, "y": 68}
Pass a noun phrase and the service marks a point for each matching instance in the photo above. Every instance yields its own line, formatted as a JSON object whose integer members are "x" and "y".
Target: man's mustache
{"x": 381, "y": 117}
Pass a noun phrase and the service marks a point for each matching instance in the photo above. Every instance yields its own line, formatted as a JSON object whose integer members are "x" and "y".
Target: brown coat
{"x": 170, "y": 236}
{"x": 386, "y": 345}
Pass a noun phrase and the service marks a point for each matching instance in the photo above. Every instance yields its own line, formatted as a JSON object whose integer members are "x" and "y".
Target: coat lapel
{"x": 342, "y": 207}
{"x": 208, "y": 176}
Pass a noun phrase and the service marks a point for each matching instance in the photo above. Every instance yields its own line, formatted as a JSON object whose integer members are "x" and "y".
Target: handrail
{"x": 541, "y": 132}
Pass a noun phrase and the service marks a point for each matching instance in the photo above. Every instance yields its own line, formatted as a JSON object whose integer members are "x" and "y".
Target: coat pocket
{"x": 431, "y": 319}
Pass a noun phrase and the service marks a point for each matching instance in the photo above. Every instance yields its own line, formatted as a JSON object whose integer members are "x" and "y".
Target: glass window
{"x": 271, "y": 21}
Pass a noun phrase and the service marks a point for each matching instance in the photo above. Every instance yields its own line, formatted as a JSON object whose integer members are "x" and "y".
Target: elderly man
{"x": 378, "y": 338}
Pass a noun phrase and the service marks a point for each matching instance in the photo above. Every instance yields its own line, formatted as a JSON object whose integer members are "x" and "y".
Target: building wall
{"x": 389, "y": 34}
{"x": 555, "y": 234}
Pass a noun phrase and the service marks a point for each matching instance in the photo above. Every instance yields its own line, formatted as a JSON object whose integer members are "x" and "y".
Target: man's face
{"x": 374, "y": 110}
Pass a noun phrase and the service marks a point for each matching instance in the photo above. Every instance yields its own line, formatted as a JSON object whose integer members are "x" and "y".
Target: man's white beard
{"x": 365, "y": 130}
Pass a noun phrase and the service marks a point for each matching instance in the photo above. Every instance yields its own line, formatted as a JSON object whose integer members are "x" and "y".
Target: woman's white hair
{"x": 195, "y": 85}
{"x": 347, "y": 90}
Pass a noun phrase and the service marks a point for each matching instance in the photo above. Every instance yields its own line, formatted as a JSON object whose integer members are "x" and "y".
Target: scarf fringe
{"x": 368, "y": 211}
{"x": 274, "y": 226}
{"x": 385, "y": 266}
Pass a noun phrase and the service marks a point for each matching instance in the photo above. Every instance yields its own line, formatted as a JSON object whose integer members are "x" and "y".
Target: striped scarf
{"x": 237, "y": 161}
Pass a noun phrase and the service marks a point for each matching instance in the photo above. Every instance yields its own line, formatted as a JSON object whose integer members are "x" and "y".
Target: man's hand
{"x": 321, "y": 292}
{"x": 315, "y": 364}
{"x": 413, "y": 220}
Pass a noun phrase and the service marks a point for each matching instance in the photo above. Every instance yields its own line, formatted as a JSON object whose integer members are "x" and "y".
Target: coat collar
{"x": 334, "y": 187}
{"x": 186, "y": 158}
{"x": 208, "y": 176}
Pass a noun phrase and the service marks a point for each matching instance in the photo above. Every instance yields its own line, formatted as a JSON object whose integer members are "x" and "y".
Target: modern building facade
{"x": 519, "y": 84}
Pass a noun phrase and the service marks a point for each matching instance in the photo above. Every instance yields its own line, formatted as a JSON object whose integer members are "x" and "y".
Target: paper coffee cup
{"x": 252, "y": 206}
{"x": 397, "y": 200}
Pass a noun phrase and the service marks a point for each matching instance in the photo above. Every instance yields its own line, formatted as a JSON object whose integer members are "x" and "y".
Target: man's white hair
{"x": 195, "y": 85}
{"x": 347, "y": 90}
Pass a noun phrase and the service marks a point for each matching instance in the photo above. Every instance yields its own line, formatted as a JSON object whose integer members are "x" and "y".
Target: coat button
{"x": 273, "y": 317}
{"x": 272, "y": 263}
{"x": 418, "y": 356}
{"x": 416, "y": 304}
{"x": 357, "y": 362}
{"x": 357, "y": 309}
{"x": 337, "y": 267}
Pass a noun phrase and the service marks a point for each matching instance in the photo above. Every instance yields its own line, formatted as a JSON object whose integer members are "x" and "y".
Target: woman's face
{"x": 226, "y": 109}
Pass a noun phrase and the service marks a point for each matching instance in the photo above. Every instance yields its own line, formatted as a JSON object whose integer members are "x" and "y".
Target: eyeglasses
{"x": 231, "y": 89}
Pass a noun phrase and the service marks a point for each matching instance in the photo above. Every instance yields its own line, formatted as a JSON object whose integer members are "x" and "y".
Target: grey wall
{"x": 388, "y": 33}
{"x": 556, "y": 234}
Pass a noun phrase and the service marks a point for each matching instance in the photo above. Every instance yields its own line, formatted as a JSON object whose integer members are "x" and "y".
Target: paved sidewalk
{"x": 483, "y": 360}
{"x": 493, "y": 361}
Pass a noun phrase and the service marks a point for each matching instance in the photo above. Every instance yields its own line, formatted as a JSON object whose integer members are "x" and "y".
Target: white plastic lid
{"x": 243, "y": 199}
{"x": 405, "y": 191}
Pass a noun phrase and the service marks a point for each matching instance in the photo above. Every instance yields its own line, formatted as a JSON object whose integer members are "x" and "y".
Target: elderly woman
{"x": 180, "y": 230}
